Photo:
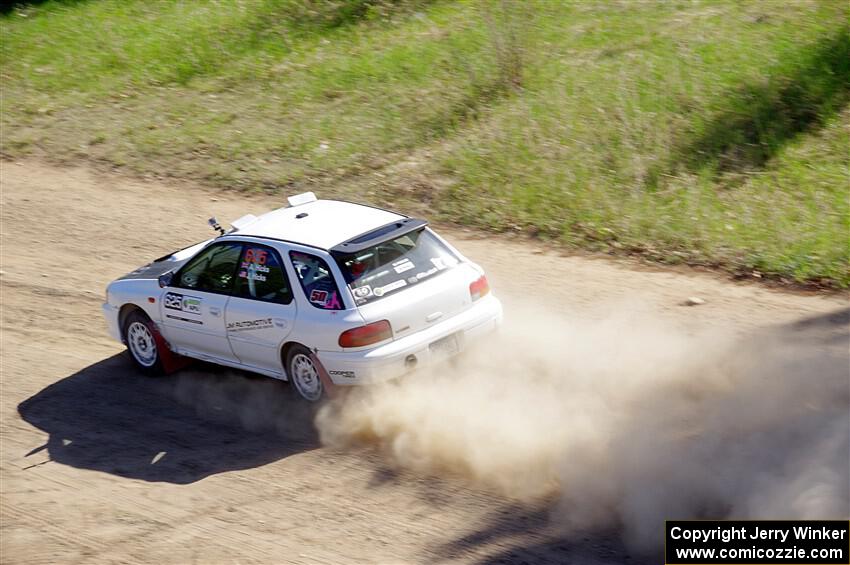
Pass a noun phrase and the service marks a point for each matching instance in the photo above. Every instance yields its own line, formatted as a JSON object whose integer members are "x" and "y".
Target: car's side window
{"x": 260, "y": 276}
{"x": 317, "y": 281}
{"x": 212, "y": 270}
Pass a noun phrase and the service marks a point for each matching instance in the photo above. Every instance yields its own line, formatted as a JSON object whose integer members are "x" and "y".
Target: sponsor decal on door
{"x": 187, "y": 304}
{"x": 261, "y": 324}
{"x": 184, "y": 304}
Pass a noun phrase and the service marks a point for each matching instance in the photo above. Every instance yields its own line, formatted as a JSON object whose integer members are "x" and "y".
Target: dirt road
{"x": 102, "y": 465}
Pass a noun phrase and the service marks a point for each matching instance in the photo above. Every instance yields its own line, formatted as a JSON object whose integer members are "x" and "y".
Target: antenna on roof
{"x": 215, "y": 225}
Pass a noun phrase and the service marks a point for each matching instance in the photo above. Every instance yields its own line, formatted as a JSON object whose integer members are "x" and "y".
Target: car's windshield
{"x": 394, "y": 264}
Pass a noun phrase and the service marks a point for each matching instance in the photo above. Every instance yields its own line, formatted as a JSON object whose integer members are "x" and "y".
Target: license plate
{"x": 444, "y": 347}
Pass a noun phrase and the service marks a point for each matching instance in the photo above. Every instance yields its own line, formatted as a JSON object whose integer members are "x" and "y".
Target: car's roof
{"x": 321, "y": 223}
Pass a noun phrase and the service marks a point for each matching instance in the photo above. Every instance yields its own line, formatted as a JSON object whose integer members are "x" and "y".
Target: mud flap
{"x": 171, "y": 361}
{"x": 330, "y": 388}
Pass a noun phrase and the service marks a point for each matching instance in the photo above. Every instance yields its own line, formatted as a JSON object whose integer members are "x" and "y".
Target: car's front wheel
{"x": 304, "y": 374}
{"x": 140, "y": 337}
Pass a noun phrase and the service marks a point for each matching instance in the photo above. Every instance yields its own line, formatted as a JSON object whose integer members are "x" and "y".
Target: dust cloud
{"x": 621, "y": 418}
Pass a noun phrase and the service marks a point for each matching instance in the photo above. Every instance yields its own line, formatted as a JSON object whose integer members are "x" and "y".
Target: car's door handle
{"x": 215, "y": 311}
{"x": 432, "y": 317}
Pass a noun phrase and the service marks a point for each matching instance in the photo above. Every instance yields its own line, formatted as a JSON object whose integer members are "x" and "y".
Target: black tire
{"x": 140, "y": 337}
{"x": 303, "y": 374}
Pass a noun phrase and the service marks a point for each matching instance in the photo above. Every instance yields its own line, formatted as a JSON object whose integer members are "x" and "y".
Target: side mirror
{"x": 165, "y": 279}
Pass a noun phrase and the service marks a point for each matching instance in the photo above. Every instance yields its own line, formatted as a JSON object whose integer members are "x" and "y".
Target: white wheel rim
{"x": 305, "y": 376}
{"x": 141, "y": 344}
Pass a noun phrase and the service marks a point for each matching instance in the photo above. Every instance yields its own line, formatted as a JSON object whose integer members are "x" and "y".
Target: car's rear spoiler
{"x": 373, "y": 237}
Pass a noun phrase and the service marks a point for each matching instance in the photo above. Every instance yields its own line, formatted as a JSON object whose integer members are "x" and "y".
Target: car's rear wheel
{"x": 304, "y": 374}
{"x": 140, "y": 337}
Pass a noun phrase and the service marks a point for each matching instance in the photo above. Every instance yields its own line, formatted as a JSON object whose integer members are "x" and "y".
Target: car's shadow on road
{"x": 198, "y": 422}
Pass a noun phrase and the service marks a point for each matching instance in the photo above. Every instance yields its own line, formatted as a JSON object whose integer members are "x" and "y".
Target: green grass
{"x": 711, "y": 133}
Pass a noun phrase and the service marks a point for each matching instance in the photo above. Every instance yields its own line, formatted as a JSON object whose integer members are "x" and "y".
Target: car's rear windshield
{"x": 395, "y": 264}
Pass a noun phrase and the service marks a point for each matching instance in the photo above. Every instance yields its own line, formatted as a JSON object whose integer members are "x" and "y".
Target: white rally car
{"x": 320, "y": 292}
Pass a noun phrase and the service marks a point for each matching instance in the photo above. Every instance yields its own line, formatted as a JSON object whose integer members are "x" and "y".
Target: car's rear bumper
{"x": 394, "y": 359}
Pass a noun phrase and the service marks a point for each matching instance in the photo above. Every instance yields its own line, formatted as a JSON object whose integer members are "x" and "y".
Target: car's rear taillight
{"x": 366, "y": 335}
{"x": 479, "y": 288}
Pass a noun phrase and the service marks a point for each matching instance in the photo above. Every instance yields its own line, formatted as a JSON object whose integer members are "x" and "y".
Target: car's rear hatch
{"x": 404, "y": 274}
{"x": 425, "y": 303}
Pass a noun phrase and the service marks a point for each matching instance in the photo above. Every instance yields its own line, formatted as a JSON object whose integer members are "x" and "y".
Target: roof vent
{"x": 300, "y": 199}
{"x": 245, "y": 220}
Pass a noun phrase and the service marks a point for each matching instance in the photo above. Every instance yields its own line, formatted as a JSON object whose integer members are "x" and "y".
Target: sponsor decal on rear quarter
{"x": 319, "y": 296}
